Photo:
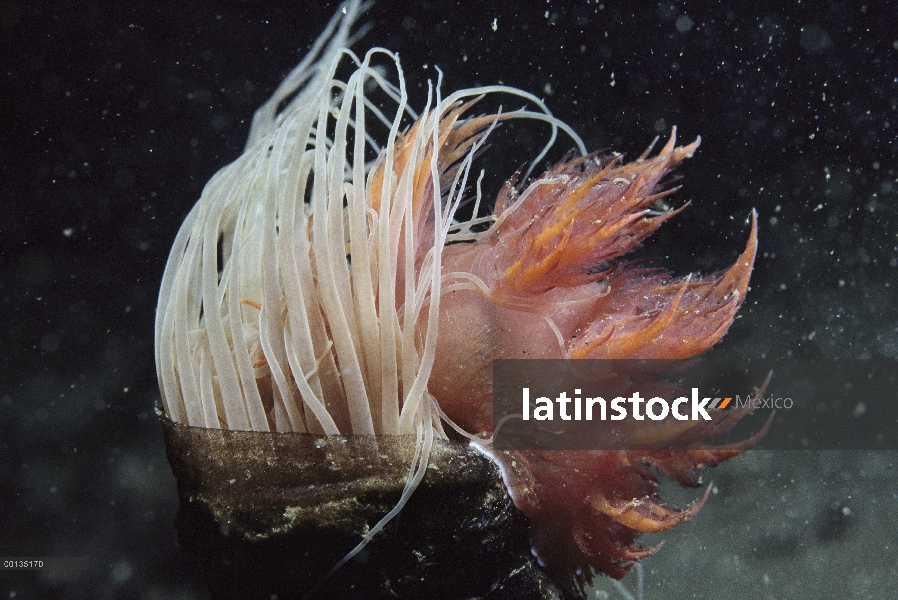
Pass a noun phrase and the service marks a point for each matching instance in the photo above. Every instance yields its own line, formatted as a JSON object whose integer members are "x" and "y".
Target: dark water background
{"x": 115, "y": 115}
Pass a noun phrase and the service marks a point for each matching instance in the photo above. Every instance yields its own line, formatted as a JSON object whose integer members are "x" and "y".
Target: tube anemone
{"x": 306, "y": 289}
{"x": 302, "y": 293}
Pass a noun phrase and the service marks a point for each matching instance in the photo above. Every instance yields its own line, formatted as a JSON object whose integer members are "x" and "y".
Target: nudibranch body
{"x": 545, "y": 281}
{"x": 322, "y": 284}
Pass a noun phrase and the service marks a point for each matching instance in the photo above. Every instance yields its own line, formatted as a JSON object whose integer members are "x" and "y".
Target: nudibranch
{"x": 323, "y": 284}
